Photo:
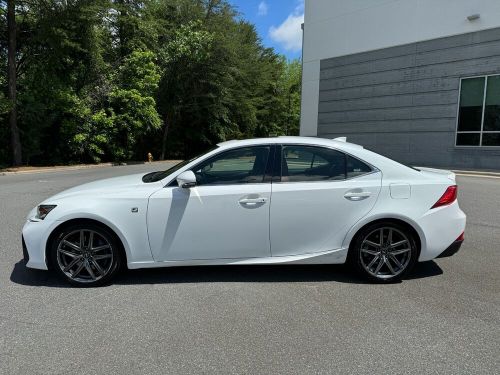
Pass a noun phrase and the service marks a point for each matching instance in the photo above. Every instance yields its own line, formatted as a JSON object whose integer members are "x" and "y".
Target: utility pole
{"x": 11, "y": 72}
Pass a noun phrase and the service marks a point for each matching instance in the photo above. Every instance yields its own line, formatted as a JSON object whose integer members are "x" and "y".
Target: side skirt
{"x": 338, "y": 256}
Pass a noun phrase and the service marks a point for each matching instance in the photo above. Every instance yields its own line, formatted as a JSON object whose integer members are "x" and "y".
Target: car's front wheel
{"x": 384, "y": 251}
{"x": 86, "y": 254}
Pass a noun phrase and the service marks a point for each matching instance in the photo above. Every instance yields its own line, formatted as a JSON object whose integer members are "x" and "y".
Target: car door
{"x": 226, "y": 216}
{"x": 322, "y": 193}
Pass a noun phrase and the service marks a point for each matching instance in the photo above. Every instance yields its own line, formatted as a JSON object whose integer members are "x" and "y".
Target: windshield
{"x": 160, "y": 175}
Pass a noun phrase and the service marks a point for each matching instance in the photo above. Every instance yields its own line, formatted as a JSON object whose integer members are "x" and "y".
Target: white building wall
{"x": 335, "y": 28}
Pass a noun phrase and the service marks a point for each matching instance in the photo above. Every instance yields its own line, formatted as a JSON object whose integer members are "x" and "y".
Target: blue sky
{"x": 277, "y": 21}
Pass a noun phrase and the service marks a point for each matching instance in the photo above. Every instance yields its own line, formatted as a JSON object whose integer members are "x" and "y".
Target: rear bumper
{"x": 441, "y": 227}
{"x": 451, "y": 250}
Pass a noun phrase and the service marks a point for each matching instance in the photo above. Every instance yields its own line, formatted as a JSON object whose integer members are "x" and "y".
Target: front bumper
{"x": 26, "y": 256}
{"x": 34, "y": 237}
{"x": 452, "y": 249}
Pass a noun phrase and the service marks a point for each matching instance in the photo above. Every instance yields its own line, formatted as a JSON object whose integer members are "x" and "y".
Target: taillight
{"x": 461, "y": 238}
{"x": 449, "y": 196}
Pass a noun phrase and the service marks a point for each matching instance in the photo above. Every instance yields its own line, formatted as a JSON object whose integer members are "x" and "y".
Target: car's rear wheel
{"x": 384, "y": 251}
{"x": 86, "y": 255}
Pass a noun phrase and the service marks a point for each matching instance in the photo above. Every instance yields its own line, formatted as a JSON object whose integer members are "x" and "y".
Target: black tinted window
{"x": 356, "y": 167}
{"x": 240, "y": 166}
{"x": 471, "y": 104}
{"x": 492, "y": 111}
{"x": 309, "y": 163}
{"x": 479, "y": 112}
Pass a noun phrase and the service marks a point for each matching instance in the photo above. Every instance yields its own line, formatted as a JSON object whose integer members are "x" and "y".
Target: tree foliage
{"x": 110, "y": 80}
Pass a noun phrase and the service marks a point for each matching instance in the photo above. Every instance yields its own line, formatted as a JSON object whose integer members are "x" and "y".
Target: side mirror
{"x": 186, "y": 180}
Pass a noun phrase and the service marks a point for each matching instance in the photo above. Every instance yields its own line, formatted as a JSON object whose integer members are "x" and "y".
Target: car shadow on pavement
{"x": 32, "y": 277}
{"x": 209, "y": 274}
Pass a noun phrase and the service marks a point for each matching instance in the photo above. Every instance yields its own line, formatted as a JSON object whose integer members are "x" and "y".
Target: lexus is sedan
{"x": 284, "y": 200}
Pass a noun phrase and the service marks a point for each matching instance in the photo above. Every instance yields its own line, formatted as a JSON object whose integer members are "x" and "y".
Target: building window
{"x": 479, "y": 112}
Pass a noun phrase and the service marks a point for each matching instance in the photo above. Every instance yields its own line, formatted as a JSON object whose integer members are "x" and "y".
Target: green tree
{"x": 184, "y": 60}
{"x": 133, "y": 104}
{"x": 12, "y": 81}
{"x": 130, "y": 112}
{"x": 111, "y": 79}
{"x": 291, "y": 87}
{"x": 62, "y": 74}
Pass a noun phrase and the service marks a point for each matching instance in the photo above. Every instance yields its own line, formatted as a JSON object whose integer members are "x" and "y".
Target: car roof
{"x": 339, "y": 143}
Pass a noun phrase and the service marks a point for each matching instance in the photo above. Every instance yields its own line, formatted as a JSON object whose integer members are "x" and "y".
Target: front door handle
{"x": 358, "y": 196}
{"x": 253, "y": 201}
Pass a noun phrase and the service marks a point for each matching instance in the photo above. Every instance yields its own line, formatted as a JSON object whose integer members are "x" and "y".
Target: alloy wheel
{"x": 385, "y": 252}
{"x": 85, "y": 256}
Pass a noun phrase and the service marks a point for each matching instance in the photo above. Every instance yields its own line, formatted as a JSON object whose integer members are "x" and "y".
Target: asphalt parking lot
{"x": 443, "y": 319}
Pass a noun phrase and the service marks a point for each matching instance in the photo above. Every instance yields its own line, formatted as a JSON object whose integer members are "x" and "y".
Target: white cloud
{"x": 300, "y": 6}
{"x": 263, "y": 8}
{"x": 289, "y": 33}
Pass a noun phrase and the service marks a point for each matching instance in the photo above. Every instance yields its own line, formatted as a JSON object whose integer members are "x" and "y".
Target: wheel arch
{"x": 123, "y": 248}
{"x": 405, "y": 222}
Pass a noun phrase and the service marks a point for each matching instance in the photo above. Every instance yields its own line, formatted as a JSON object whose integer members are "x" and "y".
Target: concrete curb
{"x": 74, "y": 167}
{"x": 54, "y": 169}
{"x": 477, "y": 174}
{"x": 468, "y": 173}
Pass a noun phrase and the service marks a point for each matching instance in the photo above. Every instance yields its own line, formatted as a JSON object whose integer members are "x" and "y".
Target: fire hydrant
{"x": 150, "y": 157}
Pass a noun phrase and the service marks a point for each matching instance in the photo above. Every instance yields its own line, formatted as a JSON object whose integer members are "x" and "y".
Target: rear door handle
{"x": 253, "y": 201}
{"x": 357, "y": 196}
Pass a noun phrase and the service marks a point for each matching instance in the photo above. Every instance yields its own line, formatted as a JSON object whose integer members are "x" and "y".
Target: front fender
{"x": 130, "y": 229}
{"x": 89, "y": 216}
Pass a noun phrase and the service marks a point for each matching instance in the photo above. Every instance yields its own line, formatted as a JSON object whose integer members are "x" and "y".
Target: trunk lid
{"x": 440, "y": 173}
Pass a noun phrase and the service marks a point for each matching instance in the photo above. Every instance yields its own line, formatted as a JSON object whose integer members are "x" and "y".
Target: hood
{"x": 115, "y": 185}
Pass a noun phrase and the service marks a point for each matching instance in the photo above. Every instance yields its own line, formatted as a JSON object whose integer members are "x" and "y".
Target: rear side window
{"x": 356, "y": 167}
{"x": 309, "y": 163}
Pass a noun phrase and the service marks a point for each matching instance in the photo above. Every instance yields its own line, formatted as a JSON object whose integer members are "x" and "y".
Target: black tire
{"x": 96, "y": 264}
{"x": 389, "y": 267}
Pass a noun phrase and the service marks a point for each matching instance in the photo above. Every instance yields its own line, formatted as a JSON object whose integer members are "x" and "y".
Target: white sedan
{"x": 285, "y": 200}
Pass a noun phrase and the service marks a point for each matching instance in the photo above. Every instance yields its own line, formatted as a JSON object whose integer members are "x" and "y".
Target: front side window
{"x": 479, "y": 112}
{"x": 239, "y": 166}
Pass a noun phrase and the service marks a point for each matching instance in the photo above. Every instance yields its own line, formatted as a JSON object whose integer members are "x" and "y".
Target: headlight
{"x": 43, "y": 210}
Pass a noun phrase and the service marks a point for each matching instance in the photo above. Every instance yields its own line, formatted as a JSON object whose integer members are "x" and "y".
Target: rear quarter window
{"x": 355, "y": 167}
